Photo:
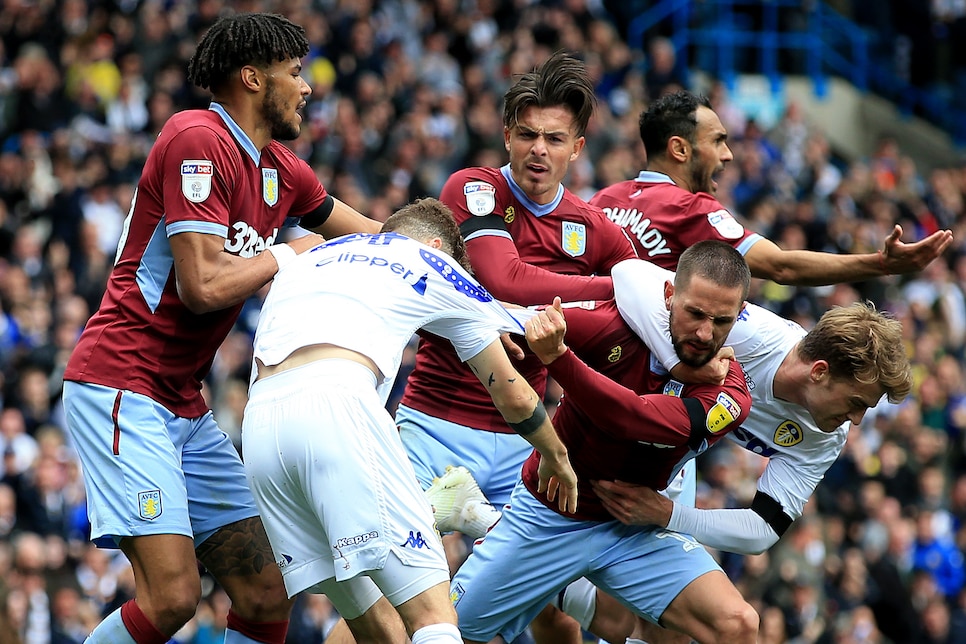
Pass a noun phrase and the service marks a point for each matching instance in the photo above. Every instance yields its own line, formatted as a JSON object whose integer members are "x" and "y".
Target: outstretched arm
{"x": 810, "y": 268}
{"x": 524, "y": 412}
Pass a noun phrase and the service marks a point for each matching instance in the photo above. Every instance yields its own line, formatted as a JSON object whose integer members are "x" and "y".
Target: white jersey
{"x": 338, "y": 293}
{"x": 798, "y": 452}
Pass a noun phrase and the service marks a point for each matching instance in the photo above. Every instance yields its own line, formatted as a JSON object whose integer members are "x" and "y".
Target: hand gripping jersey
{"x": 798, "y": 452}
{"x": 663, "y": 220}
{"x": 370, "y": 293}
{"x": 614, "y": 430}
{"x": 203, "y": 175}
{"x": 524, "y": 253}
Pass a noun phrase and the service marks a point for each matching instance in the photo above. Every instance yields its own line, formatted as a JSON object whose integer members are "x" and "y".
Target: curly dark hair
{"x": 244, "y": 39}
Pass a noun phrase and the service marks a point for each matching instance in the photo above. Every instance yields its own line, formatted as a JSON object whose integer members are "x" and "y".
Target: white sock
{"x": 438, "y": 634}
{"x": 110, "y": 631}
{"x": 478, "y": 517}
{"x": 579, "y": 600}
{"x": 631, "y": 640}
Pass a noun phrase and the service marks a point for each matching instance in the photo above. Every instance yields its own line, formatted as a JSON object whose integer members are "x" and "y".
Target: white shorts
{"x": 333, "y": 485}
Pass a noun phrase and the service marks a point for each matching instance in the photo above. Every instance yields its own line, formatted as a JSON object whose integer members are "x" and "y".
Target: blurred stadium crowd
{"x": 406, "y": 92}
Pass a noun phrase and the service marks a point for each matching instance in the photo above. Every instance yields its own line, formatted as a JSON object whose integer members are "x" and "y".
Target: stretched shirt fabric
{"x": 203, "y": 175}
{"x": 663, "y": 219}
{"x": 798, "y": 452}
{"x": 523, "y": 253}
{"x": 630, "y": 422}
{"x": 370, "y": 293}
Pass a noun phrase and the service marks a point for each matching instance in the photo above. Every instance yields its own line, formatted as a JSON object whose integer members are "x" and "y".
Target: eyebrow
{"x": 529, "y": 130}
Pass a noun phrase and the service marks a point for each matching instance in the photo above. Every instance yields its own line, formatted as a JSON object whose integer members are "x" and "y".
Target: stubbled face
{"x": 285, "y": 94}
{"x": 710, "y": 152}
{"x": 701, "y": 316}
{"x": 542, "y": 144}
{"x": 832, "y": 401}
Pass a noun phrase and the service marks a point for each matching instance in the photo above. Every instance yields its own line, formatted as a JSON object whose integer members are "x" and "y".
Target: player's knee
{"x": 737, "y": 624}
{"x": 174, "y": 604}
{"x": 263, "y": 599}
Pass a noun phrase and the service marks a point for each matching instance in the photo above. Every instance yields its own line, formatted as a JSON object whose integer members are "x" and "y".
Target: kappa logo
{"x": 149, "y": 504}
{"x": 344, "y": 542}
{"x": 789, "y": 433}
{"x": 415, "y": 541}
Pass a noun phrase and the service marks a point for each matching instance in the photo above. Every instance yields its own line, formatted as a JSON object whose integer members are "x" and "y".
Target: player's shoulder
{"x": 573, "y": 206}
{"x": 491, "y": 176}
{"x": 197, "y": 130}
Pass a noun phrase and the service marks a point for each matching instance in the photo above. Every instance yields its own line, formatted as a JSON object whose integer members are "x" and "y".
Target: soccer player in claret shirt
{"x": 627, "y": 421}
{"x": 671, "y": 205}
{"x": 163, "y": 482}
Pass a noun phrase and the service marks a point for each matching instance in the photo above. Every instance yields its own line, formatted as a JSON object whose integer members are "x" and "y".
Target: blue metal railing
{"x": 823, "y": 43}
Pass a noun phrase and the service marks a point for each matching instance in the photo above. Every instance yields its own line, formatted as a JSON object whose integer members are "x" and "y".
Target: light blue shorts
{"x": 147, "y": 471}
{"x": 533, "y": 552}
{"x": 494, "y": 459}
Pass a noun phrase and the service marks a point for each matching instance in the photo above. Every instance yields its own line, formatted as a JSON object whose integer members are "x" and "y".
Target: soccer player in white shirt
{"x": 336, "y": 491}
{"x": 806, "y": 388}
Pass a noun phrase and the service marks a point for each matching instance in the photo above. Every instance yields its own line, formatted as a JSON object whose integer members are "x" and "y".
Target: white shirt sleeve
{"x": 639, "y": 294}
{"x": 742, "y": 531}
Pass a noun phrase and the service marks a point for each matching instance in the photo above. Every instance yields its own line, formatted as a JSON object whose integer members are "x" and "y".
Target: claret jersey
{"x": 612, "y": 428}
{"x": 663, "y": 220}
{"x": 203, "y": 175}
{"x": 798, "y": 452}
{"x": 566, "y": 237}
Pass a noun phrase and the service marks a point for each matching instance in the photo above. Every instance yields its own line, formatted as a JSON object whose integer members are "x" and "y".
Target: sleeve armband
{"x": 319, "y": 216}
{"x": 532, "y": 424}
{"x": 772, "y": 512}
{"x": 487, "y": 222}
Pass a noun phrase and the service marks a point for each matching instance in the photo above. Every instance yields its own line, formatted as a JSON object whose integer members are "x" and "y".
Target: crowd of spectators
{"x": 404, "y": 93}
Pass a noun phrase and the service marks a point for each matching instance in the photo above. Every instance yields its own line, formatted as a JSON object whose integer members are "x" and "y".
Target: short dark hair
{"x": 259, "y": 39}
{"x": 426, "y": 218}
{"x": 561, "y": 80}
{"x": 673, "y": 114}
{"x": 715, "y": 261}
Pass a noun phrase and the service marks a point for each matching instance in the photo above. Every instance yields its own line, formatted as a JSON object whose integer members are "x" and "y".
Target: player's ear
{"x": 668, "y": 294}
{"x": 251, "y": 78}
{"x": 436, "y": 242}
{"x": 819, "y": 371}
{"x": 578, "y": 147}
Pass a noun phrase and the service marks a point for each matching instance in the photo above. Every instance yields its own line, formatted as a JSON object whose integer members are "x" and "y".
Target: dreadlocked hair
{"x": 259, "y": 39}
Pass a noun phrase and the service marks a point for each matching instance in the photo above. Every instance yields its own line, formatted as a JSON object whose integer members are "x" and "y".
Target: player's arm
{"x": 670, "y": 420}
{"x": 334, "y": 218}
{"x": 525, "y": 414}
{"x": 744, "y": 531}
{"x": 810, "y": 268}
{"x": 209, "y": 278}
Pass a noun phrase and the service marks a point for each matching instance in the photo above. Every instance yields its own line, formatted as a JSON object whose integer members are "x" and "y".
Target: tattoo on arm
{"x": 490, "y": 380}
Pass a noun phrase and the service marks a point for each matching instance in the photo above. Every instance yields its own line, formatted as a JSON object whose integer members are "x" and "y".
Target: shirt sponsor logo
{"x": 196, "y": 179}
{"x": 789, "y": 433}
{"x": 270, "y": 186}
{"x": 149, "y": 504}
{"x": 415, "y": 541}
{"x": 634, "y": 221}
{"x": 480, "y": 197}
{"x": 726, "y": 225}
{"x": 574, "y": 238}
{"x": 345, "y": 542}
{"x": 724, "y": 412}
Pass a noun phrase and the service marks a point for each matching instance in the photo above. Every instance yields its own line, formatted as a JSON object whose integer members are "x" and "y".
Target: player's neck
{"x": 791, "y": 379}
